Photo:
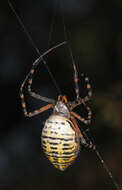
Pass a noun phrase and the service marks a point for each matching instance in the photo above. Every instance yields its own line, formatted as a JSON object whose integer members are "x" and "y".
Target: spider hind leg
{"x": 87, "y": 143}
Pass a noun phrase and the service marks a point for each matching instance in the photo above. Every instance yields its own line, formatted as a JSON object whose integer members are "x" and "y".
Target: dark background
{"x": 96, "y": 39}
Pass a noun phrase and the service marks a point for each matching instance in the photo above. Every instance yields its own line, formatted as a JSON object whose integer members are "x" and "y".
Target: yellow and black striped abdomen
{"x": 59, "y": 141}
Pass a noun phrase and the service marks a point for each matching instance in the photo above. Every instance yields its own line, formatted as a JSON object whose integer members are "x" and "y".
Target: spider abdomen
{"x": 59, "y": 141}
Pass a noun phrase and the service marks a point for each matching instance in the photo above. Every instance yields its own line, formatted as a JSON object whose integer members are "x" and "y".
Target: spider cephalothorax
{"x": 61, "y": 107}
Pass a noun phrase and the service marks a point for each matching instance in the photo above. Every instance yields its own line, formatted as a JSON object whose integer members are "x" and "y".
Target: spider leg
{"x": 85, "y": 141}
{"x": 87, "y": 98}
{"x": 22, "y": 97}
{"x": 85, "y": 121}
{"x": 76, "y": 80}
{"x": 79, "y": 101}
{"x": 78, "y": 132}
{"x": 31, "y": 72}
{"x": 89, "y": 115}
{"x": 29, "y": 78}
{"x": 35, "y": 112}
{"x": 83, "y": 101}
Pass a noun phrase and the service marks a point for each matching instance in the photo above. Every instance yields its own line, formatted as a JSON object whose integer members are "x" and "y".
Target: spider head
{"x": 61, "y": 107}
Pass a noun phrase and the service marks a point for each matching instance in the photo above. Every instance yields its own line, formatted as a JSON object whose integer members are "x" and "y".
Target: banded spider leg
{"x": 29, "y": 79}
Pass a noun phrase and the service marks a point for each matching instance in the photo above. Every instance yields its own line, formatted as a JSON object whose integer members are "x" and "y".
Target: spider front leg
{"x": 35, "y": 112}
{"x": 29, "y": 78}
{"x": 37, "y": 96}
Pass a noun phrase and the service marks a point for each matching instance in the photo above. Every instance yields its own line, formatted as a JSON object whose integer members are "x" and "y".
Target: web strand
{"x": 107, "y": 170}
{"x": 51, "y": 27}
{"x": 66, "y": 36}
{"x": 101, "y": 160}
{"x": 66, "y": 32}
{"x": 34, "y": 45}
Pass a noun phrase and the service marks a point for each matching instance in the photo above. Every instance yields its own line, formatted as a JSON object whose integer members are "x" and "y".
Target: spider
{"x": 61, "y": 135}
